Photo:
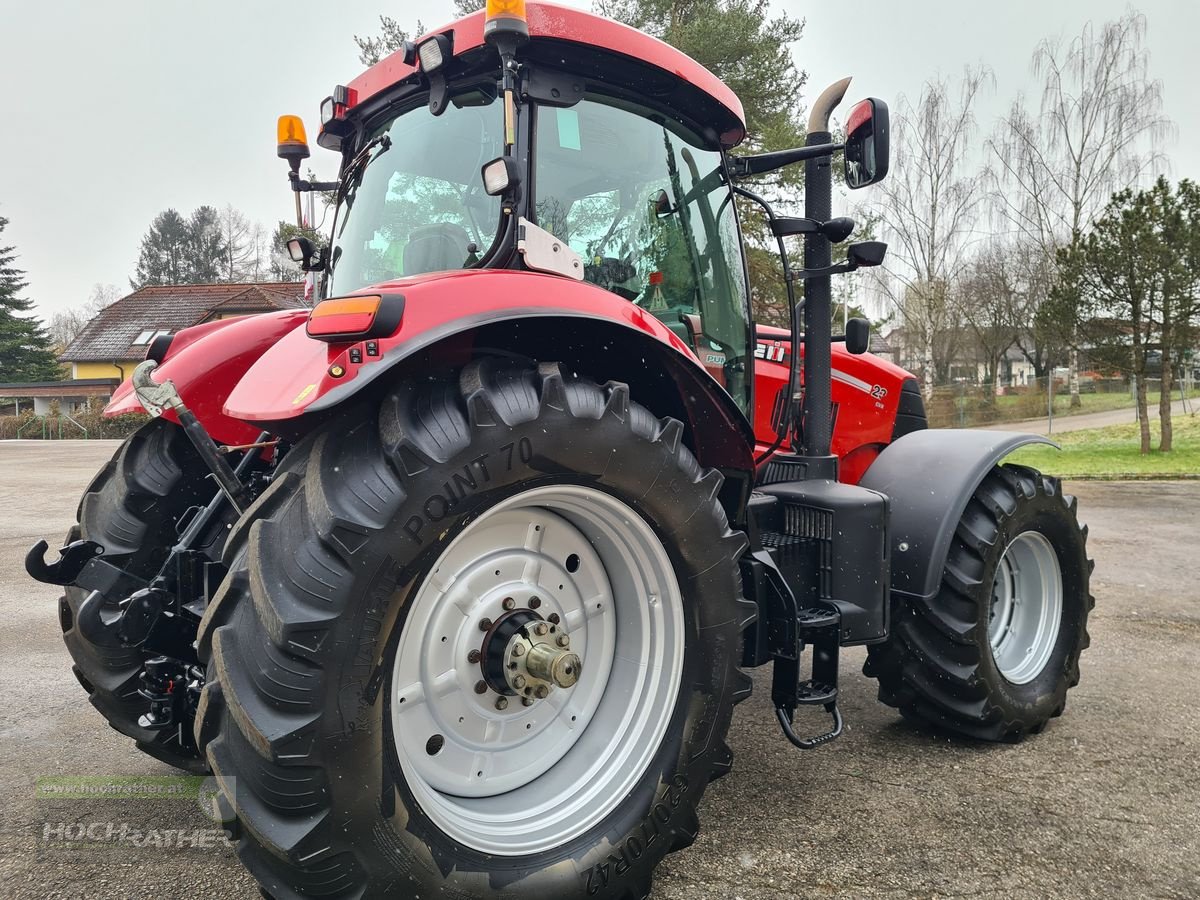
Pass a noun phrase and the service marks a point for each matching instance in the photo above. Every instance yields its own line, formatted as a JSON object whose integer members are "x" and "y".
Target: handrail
{"x": 73, "y": 422}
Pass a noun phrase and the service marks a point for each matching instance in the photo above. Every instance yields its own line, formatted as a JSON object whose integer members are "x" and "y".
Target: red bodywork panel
{"x": 866, "y": 394}
{"x": 293, "y": 377}
{"x": 206, "y": 361}
{"x": 548, "y": 20}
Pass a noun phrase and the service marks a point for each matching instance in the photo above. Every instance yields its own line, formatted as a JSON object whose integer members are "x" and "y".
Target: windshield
{"x": 418, "y": 204}
{"x": 648, "y": 210}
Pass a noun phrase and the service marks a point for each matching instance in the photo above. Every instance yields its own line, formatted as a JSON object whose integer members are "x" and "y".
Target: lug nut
{"x": 540, "y": 629}
{"x": 508, "y": 603}
{"x": 553, "y": 617}
{"x": 501, "y": 703}
{"x": 485, "y": 624}
{"x": 542, "y": 692}
{"x": 481, "y": 687}
{"x": 527, "y": 701}
{"x": 474, "y": 656}
{"x": 519, "y": 682}
{"x": 563, "y": 641}
{"x": 519, "y": 650}
{"x": 534, "y": 602}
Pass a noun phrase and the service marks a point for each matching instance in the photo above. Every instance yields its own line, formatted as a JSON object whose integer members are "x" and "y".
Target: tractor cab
{"x": 606, "y": 154}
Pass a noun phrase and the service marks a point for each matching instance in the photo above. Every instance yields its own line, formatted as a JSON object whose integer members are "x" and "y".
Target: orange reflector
{"x": 344, "y": 316}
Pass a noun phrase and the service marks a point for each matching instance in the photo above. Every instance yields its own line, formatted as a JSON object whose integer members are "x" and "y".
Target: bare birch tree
{"x": 928, "y": 208}
{"x": 238, "y": 237}
{"x": 1096, "y": 131}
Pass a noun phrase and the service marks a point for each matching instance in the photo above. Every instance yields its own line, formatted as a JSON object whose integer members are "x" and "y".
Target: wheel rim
{"x": 524, "y": 779}
{"x": 1026, "y": 610}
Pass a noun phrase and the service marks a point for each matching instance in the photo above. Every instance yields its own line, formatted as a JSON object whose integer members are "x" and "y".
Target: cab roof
{"x": 597, "y": 33}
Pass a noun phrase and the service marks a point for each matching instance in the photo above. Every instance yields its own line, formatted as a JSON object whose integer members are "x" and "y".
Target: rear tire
{"x": 972, "y": 661}
{"x": 355, "y": 542}
{"x": 131, "y": 509}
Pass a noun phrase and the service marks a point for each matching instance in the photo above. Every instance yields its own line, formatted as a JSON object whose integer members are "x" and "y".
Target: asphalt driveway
{"x": 1105, "y": 803}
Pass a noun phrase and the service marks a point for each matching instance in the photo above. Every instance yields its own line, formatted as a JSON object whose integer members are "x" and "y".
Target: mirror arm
{"x": 761, "y": 163}
{"x": 299, "y": 185}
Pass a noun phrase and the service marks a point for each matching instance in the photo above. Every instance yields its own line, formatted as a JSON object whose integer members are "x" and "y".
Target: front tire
{"x": 131, "y": 509}
{"x": 993, "y": 654}
{"x": 342, "y": 667}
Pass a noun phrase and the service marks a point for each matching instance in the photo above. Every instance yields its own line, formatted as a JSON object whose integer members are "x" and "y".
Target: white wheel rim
{"x": 525, "y": 779}
{"x": 1026, "y": 609}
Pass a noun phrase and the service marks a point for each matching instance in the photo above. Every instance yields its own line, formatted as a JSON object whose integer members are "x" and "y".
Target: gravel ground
{"x": 1105, "y": 803}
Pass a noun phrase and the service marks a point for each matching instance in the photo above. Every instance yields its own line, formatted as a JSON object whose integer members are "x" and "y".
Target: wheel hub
{"x": 1026, "y": 607}
{"x": 527, "y": 656}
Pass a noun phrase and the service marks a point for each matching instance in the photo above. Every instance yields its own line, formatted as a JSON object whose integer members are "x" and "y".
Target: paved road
{"x": 1106, "y": 803}
{"x": 1086, "y": 420}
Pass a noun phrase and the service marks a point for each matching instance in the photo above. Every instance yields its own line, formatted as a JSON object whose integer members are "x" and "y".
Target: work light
{"x": 433, "y": 53}
{"x": 499, "y": 175}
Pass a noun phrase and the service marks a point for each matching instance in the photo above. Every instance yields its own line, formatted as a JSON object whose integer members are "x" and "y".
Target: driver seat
{"x": 435, "y": 248}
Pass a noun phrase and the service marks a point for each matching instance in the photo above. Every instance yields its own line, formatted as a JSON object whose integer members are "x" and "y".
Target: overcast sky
{"x": 116, "y": 110}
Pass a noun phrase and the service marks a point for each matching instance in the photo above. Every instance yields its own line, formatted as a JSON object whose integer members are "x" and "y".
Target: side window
{"x": 649, "y": 210}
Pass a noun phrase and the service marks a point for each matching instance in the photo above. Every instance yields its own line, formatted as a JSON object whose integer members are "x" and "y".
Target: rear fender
{"x": 452, "y": 317}
{"x": 930, "y": 476}
{"x": 206, "y": 361}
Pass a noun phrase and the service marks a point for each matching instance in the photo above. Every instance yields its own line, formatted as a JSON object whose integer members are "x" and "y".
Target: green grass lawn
{"x": 1088, "y": 403}
{"x": 1113, "y": 452}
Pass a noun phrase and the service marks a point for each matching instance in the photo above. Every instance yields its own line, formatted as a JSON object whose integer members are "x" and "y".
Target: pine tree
{"x": 164, "y": 254}
{"x": 25, "y": 353}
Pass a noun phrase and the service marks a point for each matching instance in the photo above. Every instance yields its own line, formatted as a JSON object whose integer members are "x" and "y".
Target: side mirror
{"x": 866, "y": 254}
{"x": 858, "y": 336}
{"x": 302, "y": 250}
{"x": 868, "y": 133}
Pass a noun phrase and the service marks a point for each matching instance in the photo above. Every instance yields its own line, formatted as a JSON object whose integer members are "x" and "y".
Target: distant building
{"x": 117, "y": 339}
{"x": 105, "y": 353}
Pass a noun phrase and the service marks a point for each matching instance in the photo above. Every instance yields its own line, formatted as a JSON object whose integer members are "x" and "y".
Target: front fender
{"x": 295, "y": 378}
{"x": 930, "y": 476}
{"x": 206, "y": 361}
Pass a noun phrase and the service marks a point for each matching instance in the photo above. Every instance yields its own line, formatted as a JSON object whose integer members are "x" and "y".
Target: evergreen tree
{"x": 164, "y": 255}
{"x": 25, "y": 353}
{"x": 183, "y": 251}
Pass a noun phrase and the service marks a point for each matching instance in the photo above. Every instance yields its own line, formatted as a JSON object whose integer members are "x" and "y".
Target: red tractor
{"x": 453, "y": 581}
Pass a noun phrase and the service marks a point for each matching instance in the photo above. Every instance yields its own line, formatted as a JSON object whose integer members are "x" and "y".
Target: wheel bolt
{"x": 473, "y": 656}
{"x": 485, "y": 624}
{"x": 564, "y": 641}
{"x": 519, "y": 650}
{"x": 519, "y": 682}
{"x": 508, "y": 603}
{"x": 534, "y": 602}
{"x": 542, "y": 692}
{"x": 481, "y": 687}
{"x": 553, "y": 617}
{"x": 527, "y": 701}
{"x": 501, "y": 703}
{"x": 540, "y": 629}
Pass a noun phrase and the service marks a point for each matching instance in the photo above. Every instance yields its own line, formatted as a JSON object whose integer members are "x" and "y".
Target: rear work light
{"x": 346, "y": 319}
{"x": 434, "y": 53}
